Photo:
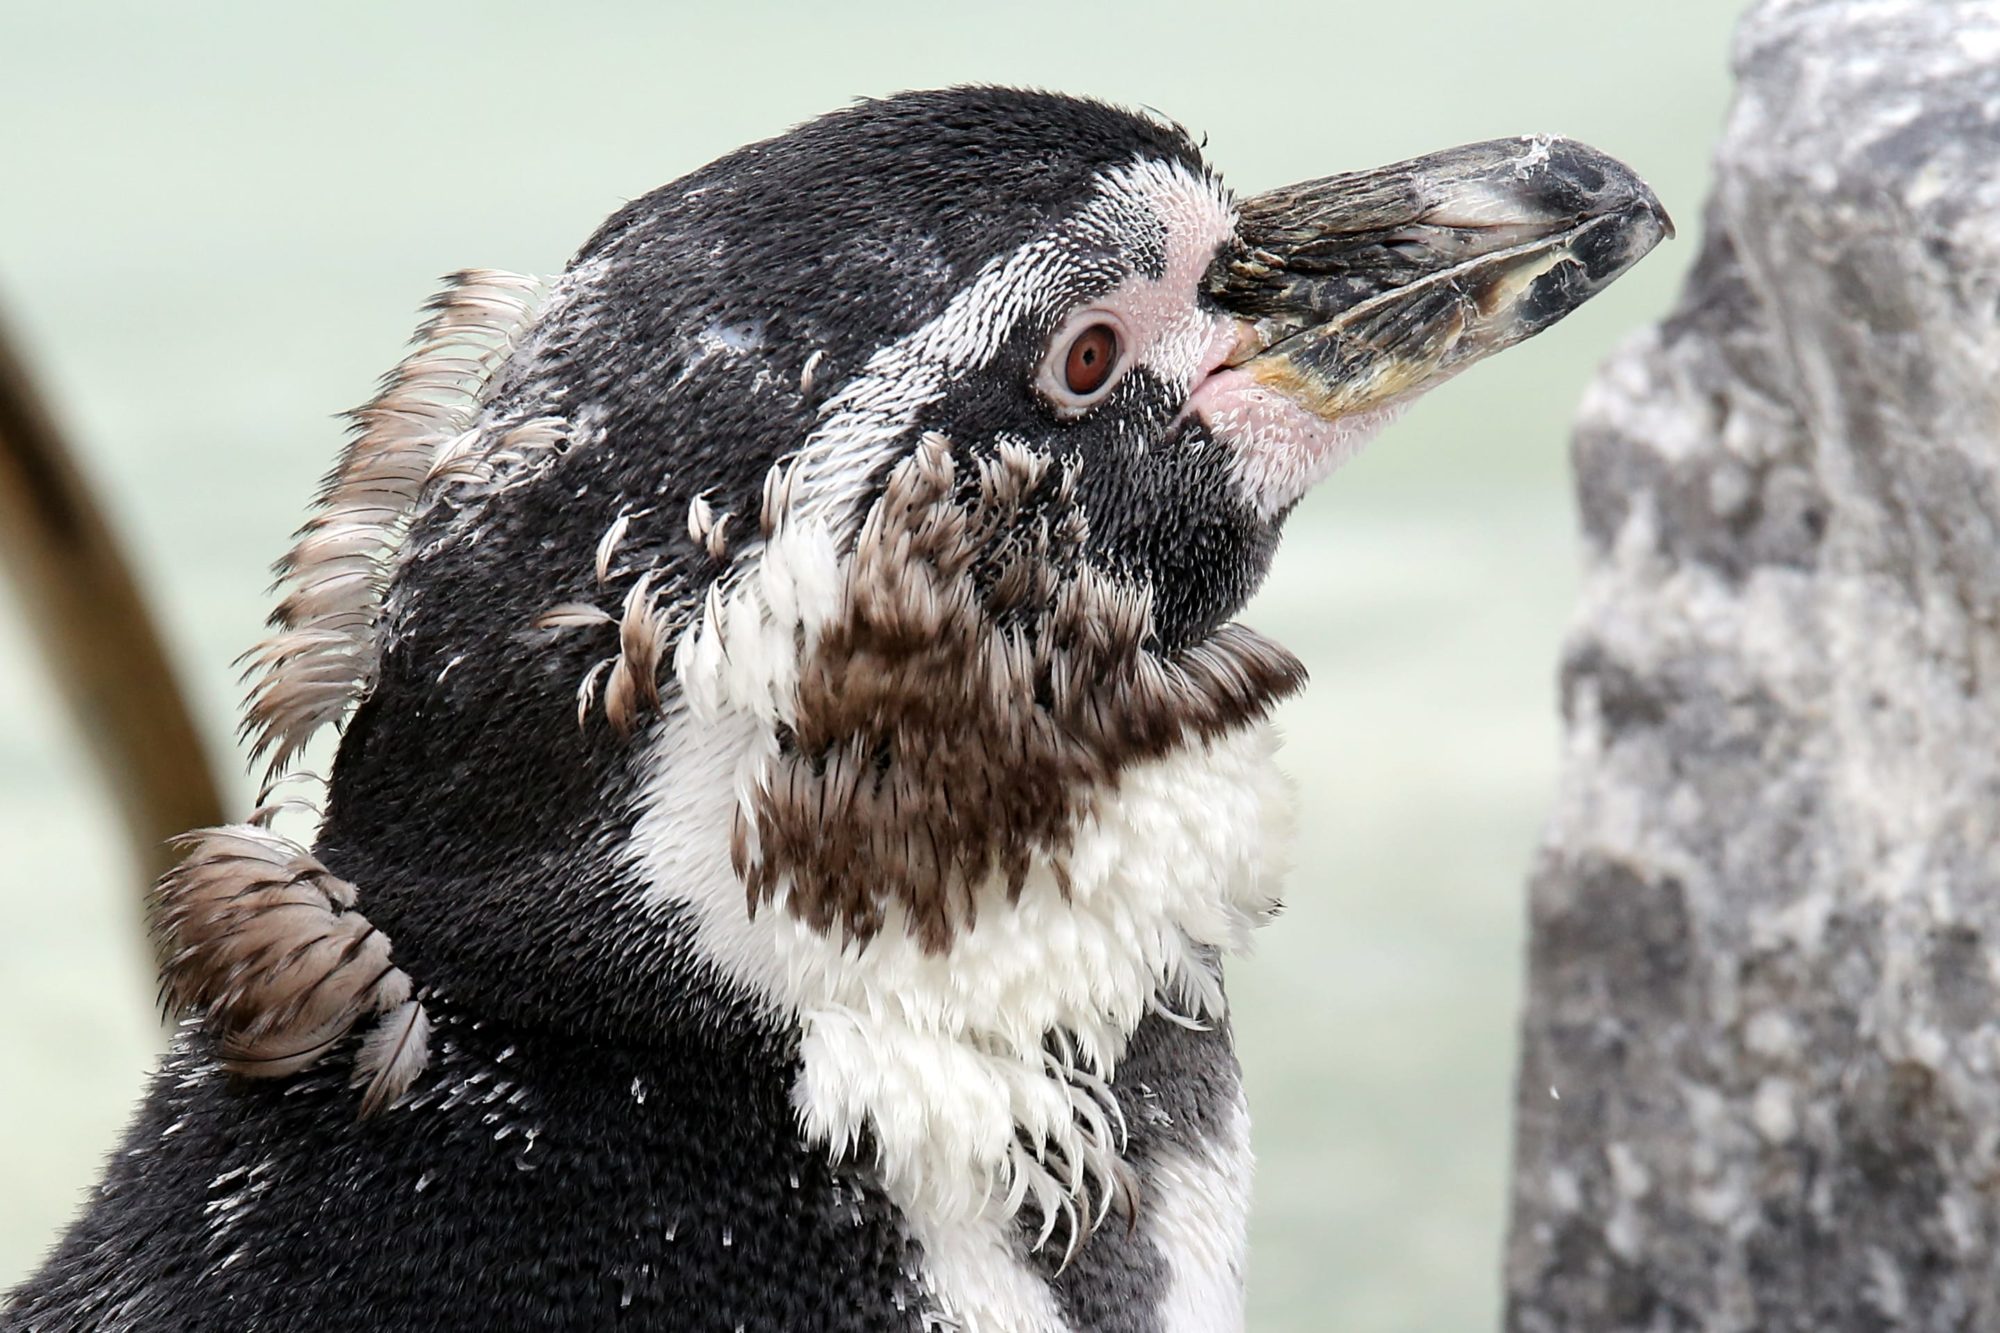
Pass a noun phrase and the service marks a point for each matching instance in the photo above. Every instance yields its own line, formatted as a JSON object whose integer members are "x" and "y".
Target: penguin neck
{"x": 510, "y": 888}
{"x": 966, "y": 1070}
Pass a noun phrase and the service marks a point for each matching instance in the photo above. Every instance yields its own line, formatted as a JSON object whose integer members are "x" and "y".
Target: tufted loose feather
{"x": 266, "y": 943}
{"x": 411, "y": 439}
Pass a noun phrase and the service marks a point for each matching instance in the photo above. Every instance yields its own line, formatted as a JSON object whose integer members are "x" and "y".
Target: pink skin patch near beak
{"x": 1278, "y": 449}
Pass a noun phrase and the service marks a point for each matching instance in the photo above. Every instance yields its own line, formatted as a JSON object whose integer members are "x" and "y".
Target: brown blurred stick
{"x": 85, "y": 611}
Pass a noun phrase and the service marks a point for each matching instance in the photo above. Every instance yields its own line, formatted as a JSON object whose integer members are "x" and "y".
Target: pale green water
{"x": 216, "y": 224}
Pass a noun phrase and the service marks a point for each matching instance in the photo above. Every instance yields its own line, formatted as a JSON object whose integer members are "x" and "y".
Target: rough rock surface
{"x": 1760, "y": 1085}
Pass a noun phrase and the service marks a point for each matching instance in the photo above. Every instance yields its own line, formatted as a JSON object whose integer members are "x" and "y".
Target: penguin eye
{"x": 1092, "y": 355}
{"x": 1082, "y": 363}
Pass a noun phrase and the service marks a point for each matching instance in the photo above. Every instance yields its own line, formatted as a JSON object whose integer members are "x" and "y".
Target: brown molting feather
{"x": 978, "y": 685}
{"x": 607, "y": 547}
{"x": 707, "y": 529}
{"x": 408, "y": 443}
{"x": 701, "y": 519}
{"x": 633, "y": 688}
{"x": 264, "y": 941}
{"x": 645, "y": 629}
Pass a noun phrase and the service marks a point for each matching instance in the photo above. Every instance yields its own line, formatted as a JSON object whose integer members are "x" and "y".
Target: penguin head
{"x": 851, "y": 515}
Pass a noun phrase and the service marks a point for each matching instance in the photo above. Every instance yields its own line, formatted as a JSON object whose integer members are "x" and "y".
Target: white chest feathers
{"x": 980, "y": 1075}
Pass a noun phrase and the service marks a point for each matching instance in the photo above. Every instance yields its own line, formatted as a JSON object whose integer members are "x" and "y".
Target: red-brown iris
{"x": 1093, "y": 355}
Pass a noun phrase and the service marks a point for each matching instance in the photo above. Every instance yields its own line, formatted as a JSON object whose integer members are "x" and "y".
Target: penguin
{"x": 798, "y": 769}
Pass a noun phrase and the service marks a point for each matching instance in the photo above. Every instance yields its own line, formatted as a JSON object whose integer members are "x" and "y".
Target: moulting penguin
{"x": 798, "y": 774}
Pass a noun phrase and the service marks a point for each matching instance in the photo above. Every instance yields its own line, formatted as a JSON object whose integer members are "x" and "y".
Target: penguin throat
{"x": 978, "y": 1081}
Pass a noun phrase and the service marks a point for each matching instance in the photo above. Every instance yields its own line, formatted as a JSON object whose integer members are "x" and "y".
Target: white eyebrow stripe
{"x": 867, "y": 425}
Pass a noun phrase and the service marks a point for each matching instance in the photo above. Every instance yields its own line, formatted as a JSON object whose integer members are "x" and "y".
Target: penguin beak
{"x": 1356, "y": 293}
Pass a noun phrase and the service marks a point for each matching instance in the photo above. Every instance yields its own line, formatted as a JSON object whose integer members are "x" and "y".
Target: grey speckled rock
{"x": 1760, "y": 1086}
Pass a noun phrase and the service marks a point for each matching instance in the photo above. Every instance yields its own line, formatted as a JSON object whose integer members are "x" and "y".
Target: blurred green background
{"x": 217, "y": 222}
